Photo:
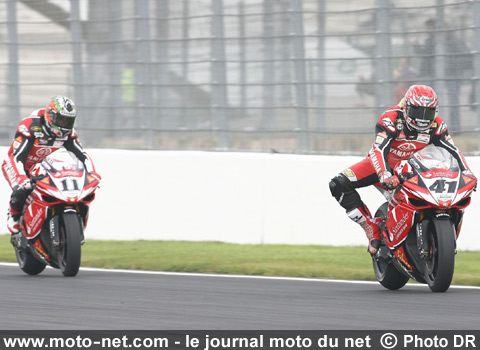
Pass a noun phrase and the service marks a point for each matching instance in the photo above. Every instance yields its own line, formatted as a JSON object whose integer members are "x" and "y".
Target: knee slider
{"x": 341, "y": 188}
{"x": 339, "y": 185}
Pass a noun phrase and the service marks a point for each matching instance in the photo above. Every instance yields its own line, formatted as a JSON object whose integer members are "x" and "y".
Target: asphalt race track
{"x": 102, "y": 299}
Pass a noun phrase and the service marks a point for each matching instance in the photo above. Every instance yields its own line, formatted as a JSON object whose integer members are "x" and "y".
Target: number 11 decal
{"x": 70, "y": 185}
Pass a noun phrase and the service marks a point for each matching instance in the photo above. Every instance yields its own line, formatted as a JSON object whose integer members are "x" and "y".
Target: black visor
{"x": 62, "y": 121}
{"x": 423, "y": 113}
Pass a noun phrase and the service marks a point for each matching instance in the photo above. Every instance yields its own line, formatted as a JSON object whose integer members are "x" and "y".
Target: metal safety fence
{"x": 295, "y": 76}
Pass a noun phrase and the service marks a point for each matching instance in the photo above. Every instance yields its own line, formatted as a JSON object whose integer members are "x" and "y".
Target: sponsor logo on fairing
{"x": 400, "y": 226}
{"x": 400, "y": 254}
{"x": 68, "y": 172}
{"x": 36, "y": 218}
{"x": 440, "y": 173}
{"x": 38, "y": 246}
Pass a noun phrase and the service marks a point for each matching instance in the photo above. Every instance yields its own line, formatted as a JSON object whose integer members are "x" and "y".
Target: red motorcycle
{"x": 422, "y": 221}
{"x": 55, "y": 215}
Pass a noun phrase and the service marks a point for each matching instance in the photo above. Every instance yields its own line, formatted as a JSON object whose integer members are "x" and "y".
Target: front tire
{"x": 440, "y": 266}
{"x": 70, "y": 234}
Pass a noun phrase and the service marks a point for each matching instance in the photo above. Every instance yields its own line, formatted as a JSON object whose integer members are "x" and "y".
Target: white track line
{"x": 188, "y": 274}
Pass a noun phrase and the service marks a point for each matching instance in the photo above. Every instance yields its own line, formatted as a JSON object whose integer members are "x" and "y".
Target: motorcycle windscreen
{"x": 432, "y": 157}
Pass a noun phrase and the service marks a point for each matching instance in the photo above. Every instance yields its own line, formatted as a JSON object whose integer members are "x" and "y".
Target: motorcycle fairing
{"x": 34, "y": 218}
{"x": 41, "y": 250}
{"x": 440, "y": 192}
{"x": 400, "y": 254}
{"x": 399, "y": 223}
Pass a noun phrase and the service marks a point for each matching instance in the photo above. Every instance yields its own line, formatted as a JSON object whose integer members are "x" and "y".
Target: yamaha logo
{"x": 43, "y": 152}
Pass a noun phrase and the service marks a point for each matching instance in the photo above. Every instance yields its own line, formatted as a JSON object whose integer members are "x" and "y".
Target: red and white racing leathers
{"x": 394, "y": 142}
{"x": 33, "y": 143}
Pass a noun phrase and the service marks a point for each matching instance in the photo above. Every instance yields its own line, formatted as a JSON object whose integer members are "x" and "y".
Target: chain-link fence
{"x": 295, "y": 76}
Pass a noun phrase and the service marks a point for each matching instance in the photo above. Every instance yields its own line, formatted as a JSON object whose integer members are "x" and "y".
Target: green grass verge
{"x": 246, "y": 259}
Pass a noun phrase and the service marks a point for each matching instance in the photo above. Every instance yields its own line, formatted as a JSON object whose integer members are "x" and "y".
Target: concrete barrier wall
{"x": 229, "y": 197}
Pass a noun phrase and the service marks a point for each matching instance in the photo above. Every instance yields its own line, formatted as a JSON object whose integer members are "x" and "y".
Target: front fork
{"x": 423, "y": 243}
{"x": 422, "y": 230}
{"x": 55, "y": 232}
{"x": 55, "y": 225}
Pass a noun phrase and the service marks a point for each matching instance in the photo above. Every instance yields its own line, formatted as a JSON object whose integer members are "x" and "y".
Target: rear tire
{"x": 385, "y": 272}
{"x": 28, "y": 263}
{"x": 70, "y": 234}
{"x": 439, "y": 268}
{"x": 388, "y": 275}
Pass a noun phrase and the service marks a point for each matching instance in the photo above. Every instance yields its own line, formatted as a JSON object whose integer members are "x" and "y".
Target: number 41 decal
{"x": 439, "y": 186}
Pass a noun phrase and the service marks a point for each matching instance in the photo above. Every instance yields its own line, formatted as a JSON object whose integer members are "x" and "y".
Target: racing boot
{"x": 17, "y": 239}
{"x": 372, "y": 229}
{"x": 13, "y": 222}
{"x": 371, "y": 226}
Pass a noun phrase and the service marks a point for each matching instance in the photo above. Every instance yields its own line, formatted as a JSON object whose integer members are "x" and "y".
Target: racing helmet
{"x": 60, "y": 115}
{"x": 420, "y": 107}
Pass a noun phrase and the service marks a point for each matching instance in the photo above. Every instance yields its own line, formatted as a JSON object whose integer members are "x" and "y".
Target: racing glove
{"x": 388, "y": 181}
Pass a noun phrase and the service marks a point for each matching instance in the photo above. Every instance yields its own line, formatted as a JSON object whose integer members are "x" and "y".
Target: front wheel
{"x": 69, "y": 254}
{"x": 441, "y": 263}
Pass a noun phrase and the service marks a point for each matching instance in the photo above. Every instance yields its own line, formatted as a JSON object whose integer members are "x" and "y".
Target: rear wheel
{"x": 388, "y": 275}
{"x": 69, "y": 254}
{"x": 385, "y": 272}
{"x": 441, "y": 263}
{"x": 28, "y": 263}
